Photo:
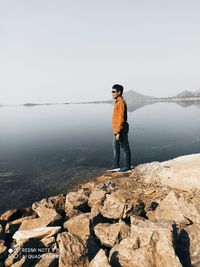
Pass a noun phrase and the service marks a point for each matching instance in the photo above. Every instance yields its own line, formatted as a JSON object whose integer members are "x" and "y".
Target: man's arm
{"x": 120, "y": 119}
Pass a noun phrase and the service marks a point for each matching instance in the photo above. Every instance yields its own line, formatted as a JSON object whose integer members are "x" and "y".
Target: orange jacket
{"x": 119, "y": 118}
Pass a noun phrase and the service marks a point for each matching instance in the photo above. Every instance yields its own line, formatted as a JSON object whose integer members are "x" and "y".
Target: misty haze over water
{"x": 45, "y": 150}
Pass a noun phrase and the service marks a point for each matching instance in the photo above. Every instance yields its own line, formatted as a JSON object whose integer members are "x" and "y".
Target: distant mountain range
{"x": 183, "y": 94}
{"x": 136, "y": 100}
{"x": 133, "y": 97}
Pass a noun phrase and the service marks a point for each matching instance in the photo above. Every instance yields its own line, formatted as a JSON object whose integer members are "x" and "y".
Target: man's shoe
{"x": 113, "y": 169}
{"x": 124, "y": 170}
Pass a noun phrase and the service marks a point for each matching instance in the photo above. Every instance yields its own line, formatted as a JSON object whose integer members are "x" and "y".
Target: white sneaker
{"x": 124, "y": 170}
{"x": 113, "y": 170}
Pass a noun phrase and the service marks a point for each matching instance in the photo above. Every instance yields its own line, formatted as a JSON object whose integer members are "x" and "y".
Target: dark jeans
{"x": 124, "y": 145}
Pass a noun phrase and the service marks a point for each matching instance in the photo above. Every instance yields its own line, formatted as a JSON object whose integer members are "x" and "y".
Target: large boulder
{"x": 120, "y": 204}
{"x": 36, "y": 233}
{"x": 114, "y": 206}
{"x": 159, "y": 237}
{"x": 181, "y": 173}
{"x": 49, "y": 218}
{"x": 127, "y": 254}
{"x": 107, "y": 233}
{"x": 96, "y": 200}
{"x": 79, "y": 225}
{"x": 100, "y": 260}
{"x": 134, "y": 252}
{"x": 56, "y": 203}
{"x": 150, "y": 245}
{"x": 76, "y": 202}
{"x": 177, "y": 209}
{"x": 73, "y": 251}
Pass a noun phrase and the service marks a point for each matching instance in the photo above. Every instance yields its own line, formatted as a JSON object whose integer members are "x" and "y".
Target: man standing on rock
{"x": 120, "y": 131}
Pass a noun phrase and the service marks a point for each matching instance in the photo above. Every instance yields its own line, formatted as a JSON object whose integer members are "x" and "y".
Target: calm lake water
{"x": 45, "y": 150}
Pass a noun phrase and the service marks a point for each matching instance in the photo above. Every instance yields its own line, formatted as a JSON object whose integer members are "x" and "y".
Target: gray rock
{"x": 36, "y": 233}
{"x": 56, "y": 203}
{"x": 79, "y": 225}
{"x": 49, "y": 218}
{"x": 159, "y": 238}
{"x": 108, "y": 233}
{"x": 100, "y": 260}
{"x": 114, "y": 206}
{"x": 96, "y": 200}
{"x": 177, "y": 209}
{"x": 126, "y": 254}
{"x": 181, "y": 173}
{"x": 73, "y": 251}
{"x": 76, "y": 201}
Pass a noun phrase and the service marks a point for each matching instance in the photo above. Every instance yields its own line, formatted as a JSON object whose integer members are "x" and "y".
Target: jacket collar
{"x": 119, "y": 98}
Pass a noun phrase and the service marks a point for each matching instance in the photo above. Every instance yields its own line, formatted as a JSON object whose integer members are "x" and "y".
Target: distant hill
{"x": 136, "y": 100}
{"x": 186, "y": 93}
{"x": 133, "y": 96}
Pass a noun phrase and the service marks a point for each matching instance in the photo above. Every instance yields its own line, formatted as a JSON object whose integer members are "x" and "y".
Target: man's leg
{"x": 124, "y": 144}
{"x": 116, "y": 151}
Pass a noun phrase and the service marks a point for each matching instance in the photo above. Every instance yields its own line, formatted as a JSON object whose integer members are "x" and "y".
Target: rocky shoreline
{"x": 147, "y": 218}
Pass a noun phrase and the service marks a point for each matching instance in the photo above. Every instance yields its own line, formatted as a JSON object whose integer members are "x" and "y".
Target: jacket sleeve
{"x": 120, "y": 116}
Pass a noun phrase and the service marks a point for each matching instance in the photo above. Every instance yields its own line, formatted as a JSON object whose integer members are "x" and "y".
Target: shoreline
{"x": 153, "y": 99}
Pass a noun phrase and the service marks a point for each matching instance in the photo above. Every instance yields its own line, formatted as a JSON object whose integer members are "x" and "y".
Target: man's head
{"x": 117, "y": 90}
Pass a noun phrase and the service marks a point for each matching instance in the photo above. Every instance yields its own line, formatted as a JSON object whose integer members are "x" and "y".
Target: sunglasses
{"x": 114, "y": 91}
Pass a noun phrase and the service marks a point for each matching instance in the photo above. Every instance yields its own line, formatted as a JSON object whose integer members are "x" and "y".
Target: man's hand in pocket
{"x": 117, "y": 136}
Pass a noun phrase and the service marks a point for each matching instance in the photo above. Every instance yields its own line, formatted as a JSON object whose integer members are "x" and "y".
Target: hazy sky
{"x": 75, "y": 50}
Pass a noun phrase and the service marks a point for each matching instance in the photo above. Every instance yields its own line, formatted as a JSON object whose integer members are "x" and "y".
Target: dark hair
{"x": 118, "y": 87}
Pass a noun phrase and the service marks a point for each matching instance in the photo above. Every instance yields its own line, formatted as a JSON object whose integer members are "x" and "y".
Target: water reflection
{"x": 186, "y": 104}
{"x": 133, "y": 105}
